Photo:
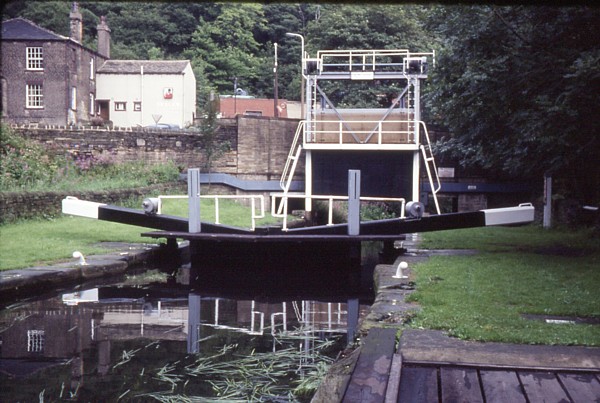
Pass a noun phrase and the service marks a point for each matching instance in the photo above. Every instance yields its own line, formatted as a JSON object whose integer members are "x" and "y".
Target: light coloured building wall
{"x": 149, "y": 90}
{"x": 189, "y": 96}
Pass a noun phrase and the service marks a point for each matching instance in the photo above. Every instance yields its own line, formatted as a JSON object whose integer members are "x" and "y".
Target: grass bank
{"x": 518, "y": 271}
{"x": 42, "y": 241}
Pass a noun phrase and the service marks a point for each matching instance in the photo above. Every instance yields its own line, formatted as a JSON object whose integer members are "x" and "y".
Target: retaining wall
{"x": 258, "y": 146}
{"x": 258, "y": 151}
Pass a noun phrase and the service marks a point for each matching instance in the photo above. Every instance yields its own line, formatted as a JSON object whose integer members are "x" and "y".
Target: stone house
{"x": 146, "y": 92}
{"x": 48, "y": 78}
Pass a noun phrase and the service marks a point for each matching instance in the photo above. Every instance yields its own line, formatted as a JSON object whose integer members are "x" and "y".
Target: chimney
{"x": 76, "y": 25}
{"x": 103, "y": 38}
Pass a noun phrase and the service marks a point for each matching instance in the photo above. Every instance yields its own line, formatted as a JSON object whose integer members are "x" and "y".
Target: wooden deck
{"x": 380, "y": 374}
{"x": 423, "y": 383}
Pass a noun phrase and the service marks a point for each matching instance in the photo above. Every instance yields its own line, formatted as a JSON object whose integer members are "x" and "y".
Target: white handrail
{"x": 386, "y": 127}
{"x": 216, "y": 198}
{"x": 372, "y": 58}
{"x": 292, "y": 158}
{"x": 429, "y": 159}
{"x": 329, "y": 198}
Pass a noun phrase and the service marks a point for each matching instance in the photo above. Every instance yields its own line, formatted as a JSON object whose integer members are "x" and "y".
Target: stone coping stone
{"x": 389, "y": 310}
{"x": 118, "y": 261}
{"x": 435, "y": 346}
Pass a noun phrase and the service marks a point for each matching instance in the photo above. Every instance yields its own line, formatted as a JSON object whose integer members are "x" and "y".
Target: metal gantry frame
{"x": 326, "y": 127}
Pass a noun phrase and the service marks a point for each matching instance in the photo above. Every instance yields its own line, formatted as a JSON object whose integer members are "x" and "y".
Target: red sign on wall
{"x": 168, "y": 93}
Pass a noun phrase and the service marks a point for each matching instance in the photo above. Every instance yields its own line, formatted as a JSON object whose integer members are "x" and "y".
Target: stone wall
{"x": 19, "y": 205}
{"x": 258, "y": 146}
{"x": 258, "y": 151}
{"x": 263, "y": 147}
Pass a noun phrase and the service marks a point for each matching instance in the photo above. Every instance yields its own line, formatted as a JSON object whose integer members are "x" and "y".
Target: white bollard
{"x": 79, "y": 255}
{"x": 401, "y": 266}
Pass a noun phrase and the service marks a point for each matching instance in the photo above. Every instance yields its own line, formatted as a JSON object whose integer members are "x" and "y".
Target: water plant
{"x": 287, "y": 374}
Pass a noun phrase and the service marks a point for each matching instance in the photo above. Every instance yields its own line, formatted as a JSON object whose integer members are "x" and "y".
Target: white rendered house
{"x": 145, "y": 92}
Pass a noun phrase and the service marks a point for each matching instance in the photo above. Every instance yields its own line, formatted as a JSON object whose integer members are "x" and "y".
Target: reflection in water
{"x": 163, "y": 340}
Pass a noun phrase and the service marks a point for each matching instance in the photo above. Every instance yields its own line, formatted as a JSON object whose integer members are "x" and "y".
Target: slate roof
{"x": 150, "y": 66}
{"x": 23, "y": 29}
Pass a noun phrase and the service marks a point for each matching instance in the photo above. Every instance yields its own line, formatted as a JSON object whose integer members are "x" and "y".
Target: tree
{"x": 226, "y": 47}
{"x": 516, "y": 87}
{"x": 210, "y": 145}
{"x": 348, "y": 26}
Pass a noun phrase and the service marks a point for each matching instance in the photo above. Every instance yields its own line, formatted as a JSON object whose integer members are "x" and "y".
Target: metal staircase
{"x": 289, "y": 168}
{"x": 292, "y": 159}
{"x": 430, "y": 166}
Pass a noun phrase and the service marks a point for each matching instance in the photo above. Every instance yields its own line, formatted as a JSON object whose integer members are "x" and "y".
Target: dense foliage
{"x": 23, "y": 162}
{"x": 519, "y": 90}
{"x": 516, "y": 87}
{"x": 25, "y": 165}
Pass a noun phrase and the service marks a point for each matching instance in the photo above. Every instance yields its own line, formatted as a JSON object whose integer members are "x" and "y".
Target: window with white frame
{"x": 120, "y": 106}
{"x": 35, "y": 58}
{"x": 137, "y": 106}
{"x": 92, "y": 104}
{"x": 92, "y": 72}
{"x": 35, "y": 96}
{"x": 35, "y": 341}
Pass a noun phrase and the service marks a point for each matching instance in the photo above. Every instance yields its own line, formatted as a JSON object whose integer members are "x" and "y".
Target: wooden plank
{"x": 460, "y": 385}
{"x": 542, "y": 387}
{"x": 370, "y": 376}
{"x": 393, "y": 387}
{"x": 501, "y": 386}
{"x": 581, "y": 387}
{"x": 419, "y": 384}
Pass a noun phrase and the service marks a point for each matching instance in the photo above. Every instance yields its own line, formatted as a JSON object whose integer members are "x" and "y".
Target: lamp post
{"x": 302, "y": 70}
{"x": 234, "y": 96}
{"x": 275, "y": 85}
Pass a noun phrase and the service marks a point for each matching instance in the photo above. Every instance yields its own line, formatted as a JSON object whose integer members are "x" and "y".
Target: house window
{"x": 120, "y": 106}
{"x": 253, "y": 113}
{"x": 35, "y": 97}
{"x": 137, "y": 106}
{"x": 73, "y": 98}
{"x": 92, "y": 69}
{"x": 35, "y": 341}
{"x": 92, "y": 104}
{"x": 35, "y": 58}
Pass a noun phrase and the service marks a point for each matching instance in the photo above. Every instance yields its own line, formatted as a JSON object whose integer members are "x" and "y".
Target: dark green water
{"x": 153, "y": 337}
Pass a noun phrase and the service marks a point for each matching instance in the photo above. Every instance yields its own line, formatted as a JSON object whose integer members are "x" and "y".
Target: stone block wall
{"x": 258, "y": 151}
{"x": 258, "y": 146}
{"x": 263, "y": 147}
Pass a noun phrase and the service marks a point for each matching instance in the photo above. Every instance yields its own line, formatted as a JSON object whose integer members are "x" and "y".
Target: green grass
{"x": 231, "y": 212}
{"x": 37, "y": 242}
{"x": 525, "y": 270}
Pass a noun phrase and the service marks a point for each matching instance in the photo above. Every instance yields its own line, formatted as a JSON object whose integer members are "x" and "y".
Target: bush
{"x": 25, "y": 165}
{"x": 23, "y": 162}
